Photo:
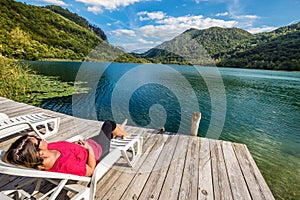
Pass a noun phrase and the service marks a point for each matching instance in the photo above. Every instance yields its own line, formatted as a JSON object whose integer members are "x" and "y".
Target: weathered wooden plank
{"x": 137, "y": 184}
{"x": 7, "y": 180}
{"x": 221, "y": 183}
{"x": 189, "y": 183}
{"x": 205, "y": 172}
{"x": 255, "y": 181}
{"x": 236, "y": 178}
{"x": 3, "y": 100}
{"x": 248, "y": 173}
{"x": 156, "y": 179}
{"x": 87, "y": 130}
{"x": 108, "y": 183}
{"x": 20, "y": 110}
{"x": 125, "y": 180}
{"x": 5, "y": 104}
{"x": 171, "y": 187}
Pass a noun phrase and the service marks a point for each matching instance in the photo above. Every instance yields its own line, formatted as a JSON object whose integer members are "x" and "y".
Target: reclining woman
{"x": 79, "y": 158}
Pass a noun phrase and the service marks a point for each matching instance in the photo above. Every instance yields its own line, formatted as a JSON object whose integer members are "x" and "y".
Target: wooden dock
{"x": 172, "y": 166}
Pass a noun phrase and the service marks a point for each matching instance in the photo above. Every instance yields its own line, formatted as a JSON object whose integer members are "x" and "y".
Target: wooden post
{"x": 196, "y": 117}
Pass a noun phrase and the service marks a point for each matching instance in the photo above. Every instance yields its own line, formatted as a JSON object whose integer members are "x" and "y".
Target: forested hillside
{"x": 232, "y": 47}
{"x": 280, "y": 53}
{"x": 200, "y": 47}
{"x": 31, "y": 32}
{"x": 38, "y": 33}
{"x": 78, "y": 20}
{"x": 279, "y": 50}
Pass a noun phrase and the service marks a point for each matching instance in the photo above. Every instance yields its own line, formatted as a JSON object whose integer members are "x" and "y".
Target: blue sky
{"x": 137, "y": 25}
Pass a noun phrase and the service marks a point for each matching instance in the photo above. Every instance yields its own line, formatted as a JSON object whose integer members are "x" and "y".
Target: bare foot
{"x": 119, "y": 132}
{"x": 122, "y": 126}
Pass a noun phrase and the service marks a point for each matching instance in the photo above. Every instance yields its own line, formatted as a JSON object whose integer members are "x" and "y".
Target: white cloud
{"x": 164, "y": 28}
{"x": 169, "y": 27}
{"x": 54, "y": 2}
{"x": 108, "y": 4}
{"x": 222, "y": 14}
{"x": 151, "y": 15}
{"x": 236, "y": 12}
{"x": 94, "y": 9}
{"x": 261, "y": 29}
{"x": 122, "y": 32}
{"x": 247, "y": 17}
{"x": 146, "y": 42}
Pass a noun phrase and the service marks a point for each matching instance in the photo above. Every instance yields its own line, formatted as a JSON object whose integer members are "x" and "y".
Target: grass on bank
{"x": 20, "y": 83}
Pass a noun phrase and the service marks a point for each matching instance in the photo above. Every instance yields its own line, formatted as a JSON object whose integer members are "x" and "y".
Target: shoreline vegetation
{"x": 20, "y": 83}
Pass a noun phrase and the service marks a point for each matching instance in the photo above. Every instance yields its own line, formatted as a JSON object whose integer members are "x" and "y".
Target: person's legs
{"x": 119, "y": 132}
{"x": 108, "y": 128}
{"x": 108, "y": 131}
{"x": 104, "y": 137}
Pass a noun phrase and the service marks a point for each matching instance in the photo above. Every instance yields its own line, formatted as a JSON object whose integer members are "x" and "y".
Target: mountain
{"x": 278, "y": 50}
{"x": 232, "y": 47}
{"x": 78, "y": 20}
{"x": 38, "y": 33}
{"x": 199, "y": 47}
{"x": 32, "y": 32}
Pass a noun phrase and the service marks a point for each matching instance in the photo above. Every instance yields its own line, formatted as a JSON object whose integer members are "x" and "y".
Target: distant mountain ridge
{"x": 232, "y": 47}
{"x": 214, "y": 40}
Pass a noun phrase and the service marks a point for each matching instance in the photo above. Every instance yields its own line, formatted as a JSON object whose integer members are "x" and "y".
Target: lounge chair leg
{"x": 20, "y": 194}
{"x": 58, "y": 189}
{"x": 37, "y": 187}
{"x": 136, "y": 152}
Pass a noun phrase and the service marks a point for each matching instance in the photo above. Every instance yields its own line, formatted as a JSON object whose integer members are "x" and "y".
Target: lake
{"x": 256, "y": 107}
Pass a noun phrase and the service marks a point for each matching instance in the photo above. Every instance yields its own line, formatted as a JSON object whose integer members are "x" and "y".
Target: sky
{"x": 138, "y": 25}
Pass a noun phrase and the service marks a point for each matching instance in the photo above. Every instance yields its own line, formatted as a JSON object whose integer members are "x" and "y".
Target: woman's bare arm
{"x": 91, "y": 161}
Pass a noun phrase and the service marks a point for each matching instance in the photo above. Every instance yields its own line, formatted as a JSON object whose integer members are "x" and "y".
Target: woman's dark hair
{"x": 23, "y": 153}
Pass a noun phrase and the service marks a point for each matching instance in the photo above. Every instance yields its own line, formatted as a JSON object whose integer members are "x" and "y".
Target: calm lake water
{"x": 256, "y": 107}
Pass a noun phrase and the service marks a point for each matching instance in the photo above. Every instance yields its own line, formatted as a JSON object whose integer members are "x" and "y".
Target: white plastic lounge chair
{"x": 131, "y": 145}
{"x": 9, "y": 126}
{"x": 127, "y": 146}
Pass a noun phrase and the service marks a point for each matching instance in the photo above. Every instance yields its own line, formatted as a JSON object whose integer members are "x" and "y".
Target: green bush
{"x": 15, "y": 82}
{"x": 18, "y": 82}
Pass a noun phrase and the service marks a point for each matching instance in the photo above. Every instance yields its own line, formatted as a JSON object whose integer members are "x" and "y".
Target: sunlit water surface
{"x": 262, "y": 107}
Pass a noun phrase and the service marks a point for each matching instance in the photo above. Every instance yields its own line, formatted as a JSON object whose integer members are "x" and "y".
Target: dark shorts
{"x": 104, "y": 137}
